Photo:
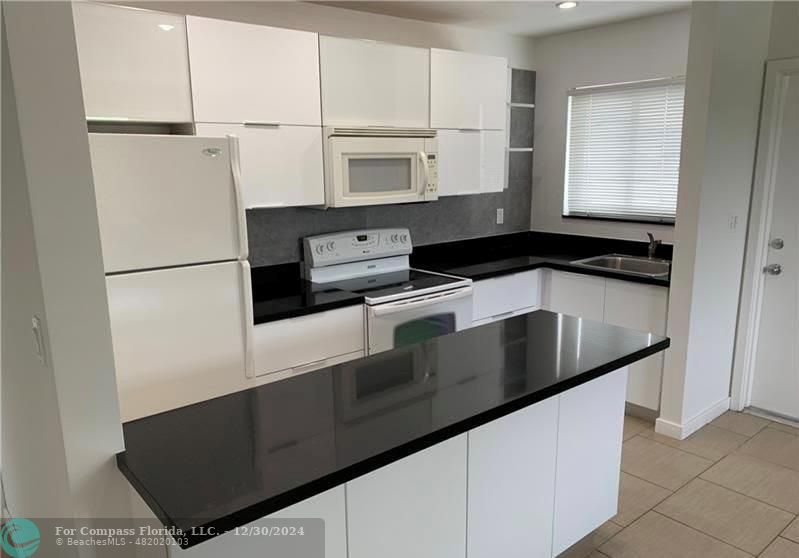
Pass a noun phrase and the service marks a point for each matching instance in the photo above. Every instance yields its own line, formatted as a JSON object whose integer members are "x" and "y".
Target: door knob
{"x": 773, "y": 269}
{"x": 777, "y": 243}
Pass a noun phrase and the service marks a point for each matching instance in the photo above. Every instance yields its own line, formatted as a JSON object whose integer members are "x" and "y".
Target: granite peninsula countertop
{"x": 228, "y": 461}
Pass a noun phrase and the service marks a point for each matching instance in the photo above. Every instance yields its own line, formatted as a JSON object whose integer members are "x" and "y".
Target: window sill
{"x": 665, "y": 223}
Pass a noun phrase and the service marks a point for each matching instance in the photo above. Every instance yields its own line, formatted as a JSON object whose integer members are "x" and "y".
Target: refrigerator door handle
{"x": 241, "y": 218}
{"x": 247, "y": 313}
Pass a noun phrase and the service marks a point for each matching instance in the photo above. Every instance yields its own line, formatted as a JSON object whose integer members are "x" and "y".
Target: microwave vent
{"x": 383, "y": 132}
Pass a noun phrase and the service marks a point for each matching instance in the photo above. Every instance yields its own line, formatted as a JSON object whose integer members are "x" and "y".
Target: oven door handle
{"x": 401, "y": 306}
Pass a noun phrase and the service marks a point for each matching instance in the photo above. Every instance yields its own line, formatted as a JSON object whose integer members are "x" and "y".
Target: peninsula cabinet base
{"x": 527, "y": 485}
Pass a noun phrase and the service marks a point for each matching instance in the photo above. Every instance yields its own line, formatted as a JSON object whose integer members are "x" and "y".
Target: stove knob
{"x": 404, "y": 238}
{"x": 331, "y": 245}
{"x": 393, "y": 238}
{"x": 319, "y": 248}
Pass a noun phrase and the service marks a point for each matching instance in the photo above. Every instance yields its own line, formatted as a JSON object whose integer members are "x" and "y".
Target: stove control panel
{"x": 354, "y": 246}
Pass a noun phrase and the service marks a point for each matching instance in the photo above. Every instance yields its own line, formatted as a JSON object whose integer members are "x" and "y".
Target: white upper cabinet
{"x": 467, "y": 91}
{"x": 253, "y": 73}
{"x": 133, "y": 63}
{"x": 368, "y": 83}
{"x": 471, "y": 161}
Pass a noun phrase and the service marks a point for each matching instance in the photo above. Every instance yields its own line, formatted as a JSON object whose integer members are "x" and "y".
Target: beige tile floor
{"x": 729, "y": 490}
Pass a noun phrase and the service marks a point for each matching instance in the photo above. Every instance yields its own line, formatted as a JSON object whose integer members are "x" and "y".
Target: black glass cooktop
{"x": 395, "y": 283}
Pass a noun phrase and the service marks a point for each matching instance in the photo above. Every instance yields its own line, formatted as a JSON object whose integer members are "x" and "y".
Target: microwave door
{"x": 372, "y": 171}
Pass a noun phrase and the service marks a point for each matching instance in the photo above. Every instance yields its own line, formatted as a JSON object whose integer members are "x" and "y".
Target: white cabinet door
{"x": 166, "y": 200}
{"x": 467, "y": 90}
{"x": 512, "y": 484}
{"x": 253, "y": 73}
{"x": 368, "y": 83}
{"x": 133, "y": 63}
{"x": 179, "y": 335}
{"x": 281, "y": 166}
{"x": 458, "y": 162}
{"x": 328, "y": 506}
{"x": 470, "y": 161}
{"x": 308, "y": 342}
{"x": 503, "y": 296}
{"x": 413, "y": 507}
{"x": 590, "y": 423}
{"x": 492, "y": 161}
{"x": 575, "y": 294}
{"x": 642, "y": 307}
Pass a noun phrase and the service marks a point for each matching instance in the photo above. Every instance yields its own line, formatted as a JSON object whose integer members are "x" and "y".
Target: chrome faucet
{"x": 653, "y": 245}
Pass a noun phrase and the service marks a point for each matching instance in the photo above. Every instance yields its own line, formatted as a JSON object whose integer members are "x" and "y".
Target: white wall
{"x": 61, "y": 425}
{"x": 350, "y": 23}
{"x": 728, "y": 48}
{"x": 651, "y": 47}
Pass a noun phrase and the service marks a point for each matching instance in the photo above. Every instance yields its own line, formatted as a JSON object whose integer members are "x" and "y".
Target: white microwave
{"x": 375, "y": 166}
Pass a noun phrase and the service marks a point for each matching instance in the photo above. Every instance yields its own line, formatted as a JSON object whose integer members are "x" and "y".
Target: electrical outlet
{"x": 500, "y": 216}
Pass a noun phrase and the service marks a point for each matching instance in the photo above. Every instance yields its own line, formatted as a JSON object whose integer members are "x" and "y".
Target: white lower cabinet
{"x": 328, "y": 506}
{"x": 413, "y": 507}
{"x": 511, "y": 484}
{"x": 621, "y": 303}
{"x": 308, "y": 342}
{"x": 642, "y": 307}
{"x": 590, "y": 425}
{"x": 527, "y": 485}
{"x": 281, "y": 166}
{"x": 505, "y": 296}
{"x": 574, "y": 294}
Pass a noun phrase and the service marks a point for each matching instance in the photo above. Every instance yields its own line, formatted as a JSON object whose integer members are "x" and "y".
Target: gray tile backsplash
{"x": 275, "y": 235}
{"x": 522, "y": 120}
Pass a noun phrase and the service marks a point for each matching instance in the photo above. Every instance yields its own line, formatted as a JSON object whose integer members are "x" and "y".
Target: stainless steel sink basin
{"x": 631, "y": 265}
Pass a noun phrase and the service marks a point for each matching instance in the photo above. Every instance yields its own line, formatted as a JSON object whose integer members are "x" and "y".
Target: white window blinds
{"x": 623, "y": 150}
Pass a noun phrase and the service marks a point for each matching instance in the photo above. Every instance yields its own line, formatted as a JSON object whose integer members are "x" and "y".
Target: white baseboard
{"x": 682, "y": 431}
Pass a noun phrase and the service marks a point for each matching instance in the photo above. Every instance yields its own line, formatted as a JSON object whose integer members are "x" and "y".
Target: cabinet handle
{"x": 257, "y": 124}
{"x": 310, "y": 365}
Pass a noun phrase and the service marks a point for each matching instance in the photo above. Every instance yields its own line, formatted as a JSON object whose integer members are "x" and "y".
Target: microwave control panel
{"x": 432, "y": 174}
{"x": 353, "y": 246}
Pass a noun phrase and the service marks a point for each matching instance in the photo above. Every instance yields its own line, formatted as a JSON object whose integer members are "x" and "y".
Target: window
{"x": 623, "y": 151}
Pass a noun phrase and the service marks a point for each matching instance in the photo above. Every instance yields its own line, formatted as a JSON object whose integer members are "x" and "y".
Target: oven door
{"x": 373, "y": 171}
{"x": 405, "y": 322}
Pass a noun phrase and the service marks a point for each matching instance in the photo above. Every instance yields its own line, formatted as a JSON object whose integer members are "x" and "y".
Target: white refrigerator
{"x": 174, "y": 244}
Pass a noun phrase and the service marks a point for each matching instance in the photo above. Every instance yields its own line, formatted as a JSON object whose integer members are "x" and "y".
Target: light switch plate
{"x": 500, "y": 216}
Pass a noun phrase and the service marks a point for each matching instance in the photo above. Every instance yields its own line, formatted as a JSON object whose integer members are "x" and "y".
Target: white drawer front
{"x": 507, "y": 294}
{"x": 308, "y": 341}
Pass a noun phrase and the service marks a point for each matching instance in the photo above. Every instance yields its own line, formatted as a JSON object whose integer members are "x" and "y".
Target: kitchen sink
{"x": 631, "y": 265}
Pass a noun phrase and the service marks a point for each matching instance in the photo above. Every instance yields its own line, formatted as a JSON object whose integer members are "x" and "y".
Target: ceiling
{"x": 529, "y": 18}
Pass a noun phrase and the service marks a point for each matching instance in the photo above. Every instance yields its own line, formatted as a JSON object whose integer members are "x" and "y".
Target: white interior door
{"x": 775, "y": 386}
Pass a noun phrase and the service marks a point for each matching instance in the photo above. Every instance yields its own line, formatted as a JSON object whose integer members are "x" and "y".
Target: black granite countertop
{"x": 484, "y": 258}
{"x": 279, "y": 291}
{"x": 229, "y": 461}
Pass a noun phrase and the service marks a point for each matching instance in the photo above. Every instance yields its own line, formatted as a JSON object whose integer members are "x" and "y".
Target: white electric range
{"x": 403, "y": 305}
